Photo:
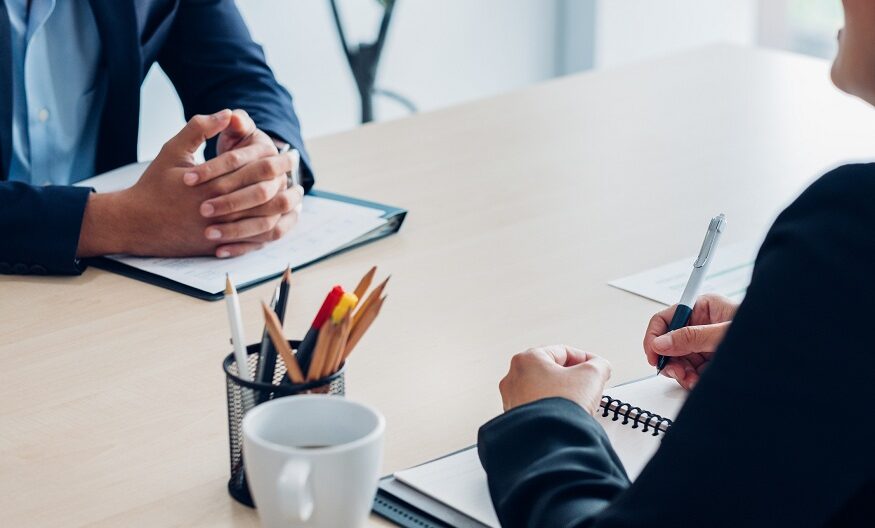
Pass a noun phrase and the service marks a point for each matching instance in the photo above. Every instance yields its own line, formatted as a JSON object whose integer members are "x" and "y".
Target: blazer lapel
{"x": 5, "y": 93}
{"x": 119, "y": 42}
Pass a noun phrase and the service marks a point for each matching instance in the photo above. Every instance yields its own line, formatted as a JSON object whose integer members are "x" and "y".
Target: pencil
{"x": 365, "y": 283}
{"x": 322, "y": 342}
{"x": 283, "y": 299}
{"x": 372, "y": 297}
{"x": 338, "y": 346}
{"x": 358, "y": 330}
{"x": 293, "y": 370}
{"x": 267, "y": 353}
{"x": 237, "y": 339}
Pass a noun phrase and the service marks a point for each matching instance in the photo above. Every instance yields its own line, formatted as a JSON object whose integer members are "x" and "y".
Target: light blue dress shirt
{"x": 58, "y": 89}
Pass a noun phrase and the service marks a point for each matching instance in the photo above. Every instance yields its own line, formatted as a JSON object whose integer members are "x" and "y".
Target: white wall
{"x": 631, "y": 30}
{"x": 438, "y": 53}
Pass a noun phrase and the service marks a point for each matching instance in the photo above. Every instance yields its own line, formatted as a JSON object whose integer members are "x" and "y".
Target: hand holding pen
{"x": 690, "y": 348}
{"x": 684, "y": 309}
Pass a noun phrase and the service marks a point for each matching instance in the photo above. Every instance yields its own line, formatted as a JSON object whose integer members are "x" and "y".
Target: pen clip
{"x": 718, "y": 223}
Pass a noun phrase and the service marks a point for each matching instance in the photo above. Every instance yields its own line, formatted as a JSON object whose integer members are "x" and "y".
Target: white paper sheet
{"x": 324, "y": 227}
{"x": 458, "y": 481}
{"x": 729, "y": 275}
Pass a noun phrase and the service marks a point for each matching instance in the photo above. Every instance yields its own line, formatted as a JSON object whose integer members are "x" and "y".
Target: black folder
{"x": 393, "y": 215}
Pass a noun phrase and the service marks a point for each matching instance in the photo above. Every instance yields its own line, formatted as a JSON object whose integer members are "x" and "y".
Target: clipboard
{"x": 394, "y": 217}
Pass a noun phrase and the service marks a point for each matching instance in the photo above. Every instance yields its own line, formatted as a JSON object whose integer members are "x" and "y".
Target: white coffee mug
{"x": 313, "y": 460}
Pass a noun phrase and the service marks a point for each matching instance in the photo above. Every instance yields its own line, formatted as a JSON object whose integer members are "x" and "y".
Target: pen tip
{"x": 287, "y": 276}
{"x": 229, "y": 286}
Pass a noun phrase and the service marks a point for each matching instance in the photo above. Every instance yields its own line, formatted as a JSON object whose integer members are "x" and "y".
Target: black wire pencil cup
{"x": 277, "y": 367}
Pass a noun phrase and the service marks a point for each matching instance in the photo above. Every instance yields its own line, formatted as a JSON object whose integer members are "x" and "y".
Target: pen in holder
{"x": 243, "y": 393}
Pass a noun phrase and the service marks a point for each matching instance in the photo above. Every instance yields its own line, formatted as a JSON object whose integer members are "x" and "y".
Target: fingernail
{"x": 663, "y": 342}
{"x": 223, "y": 253}
{"x": 220, "y": 114}
{"x": 214, "y": 234}
{"x": 190, "y": 178}
{"x": 207, "y": 209}
{"x": 693, "y": 383}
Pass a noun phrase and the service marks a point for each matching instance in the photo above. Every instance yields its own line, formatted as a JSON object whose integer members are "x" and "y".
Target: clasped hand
{"x": 227, "y": 206}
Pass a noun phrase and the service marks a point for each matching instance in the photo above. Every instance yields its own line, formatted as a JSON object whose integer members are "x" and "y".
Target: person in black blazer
{"x": 776, "y": 431}
{"x": 230, "y": 205}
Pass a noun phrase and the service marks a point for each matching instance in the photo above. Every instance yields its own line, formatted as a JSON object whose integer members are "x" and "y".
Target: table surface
{"x": 522, "y": 208}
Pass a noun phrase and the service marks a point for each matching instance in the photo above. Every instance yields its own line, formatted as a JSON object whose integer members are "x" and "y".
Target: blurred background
{"x": 443, "y": 52}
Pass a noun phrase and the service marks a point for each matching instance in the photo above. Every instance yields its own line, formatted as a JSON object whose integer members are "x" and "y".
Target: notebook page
{"x": 324, "y": 226}
{"x": 458, "y": 481}
{"x": 634, "y": 447}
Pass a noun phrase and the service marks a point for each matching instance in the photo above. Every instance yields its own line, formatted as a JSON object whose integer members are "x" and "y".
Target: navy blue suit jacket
{"x": 205, "y": 49}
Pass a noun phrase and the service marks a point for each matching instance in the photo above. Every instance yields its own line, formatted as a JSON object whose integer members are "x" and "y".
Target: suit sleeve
{"x": 40, "y": 227}
{"x": 777, "y": 431}
{"x": 213, "y": 62}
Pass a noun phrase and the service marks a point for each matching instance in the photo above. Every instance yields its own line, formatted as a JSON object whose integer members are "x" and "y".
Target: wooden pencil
{"x": 359, "y": 329}
{"x": 365, "y": 283}
{"x": 371, "y": 299}
{"x": 319, "y": 353}
{"x": 293, "y": 369}
{"x": 339, "y": 345}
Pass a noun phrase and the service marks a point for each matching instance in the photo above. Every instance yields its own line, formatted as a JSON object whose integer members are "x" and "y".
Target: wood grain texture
{"x": 522, "y": 208}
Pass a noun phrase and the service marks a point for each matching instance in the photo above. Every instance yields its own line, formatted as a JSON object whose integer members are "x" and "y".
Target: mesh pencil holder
{"x": 243, "y": 395}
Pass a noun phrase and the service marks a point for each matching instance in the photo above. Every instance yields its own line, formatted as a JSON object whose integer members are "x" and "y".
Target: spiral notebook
{"x": 452, "y": 490}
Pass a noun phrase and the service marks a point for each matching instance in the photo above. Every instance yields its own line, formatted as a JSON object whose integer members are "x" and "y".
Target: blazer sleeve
{"x": 213, "y": 63}
{"x": 777, "y": 432}
{"x": 40, "y": 227}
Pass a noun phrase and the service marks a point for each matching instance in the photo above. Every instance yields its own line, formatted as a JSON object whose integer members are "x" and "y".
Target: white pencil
{"x": 237, "y": 338}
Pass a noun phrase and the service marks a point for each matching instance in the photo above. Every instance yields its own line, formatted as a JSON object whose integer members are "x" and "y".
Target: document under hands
{"x": 729, "y": 276}
{"x": 328, "y": 224}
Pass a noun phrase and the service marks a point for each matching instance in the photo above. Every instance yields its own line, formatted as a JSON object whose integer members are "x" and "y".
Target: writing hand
{"x": 691, "y": 348}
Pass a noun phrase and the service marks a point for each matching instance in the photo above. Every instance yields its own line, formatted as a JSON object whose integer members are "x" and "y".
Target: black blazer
{"x": 779, "y": 430}
{"x": 205, "y": 49}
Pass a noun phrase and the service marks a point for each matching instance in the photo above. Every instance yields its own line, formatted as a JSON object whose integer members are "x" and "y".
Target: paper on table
{"x": 729, "y": 276}
{"x": 324, "y": 227}
{"x": 458, "y": 481}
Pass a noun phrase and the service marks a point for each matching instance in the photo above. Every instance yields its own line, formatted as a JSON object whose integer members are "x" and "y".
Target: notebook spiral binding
{"x": 645, "y": 418}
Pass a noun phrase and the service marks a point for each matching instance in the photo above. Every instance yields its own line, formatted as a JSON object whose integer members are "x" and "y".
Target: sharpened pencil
{"x": 371, "y": 299}
{"x": 358, "y": 330}
{"x": 237, "y": 338}
{"x": 365, "y": 283}
{"x": 293, "y": 369}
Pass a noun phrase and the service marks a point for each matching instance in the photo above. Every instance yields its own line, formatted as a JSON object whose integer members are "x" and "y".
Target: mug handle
{"x": 294, "y": 490}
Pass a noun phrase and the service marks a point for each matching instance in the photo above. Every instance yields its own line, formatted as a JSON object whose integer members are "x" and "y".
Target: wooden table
{"x": 522, "y": 208}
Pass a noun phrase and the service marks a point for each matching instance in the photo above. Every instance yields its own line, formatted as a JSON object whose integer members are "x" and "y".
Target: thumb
{"x": 199, "y": 129}
{"x": 690, "y": 339}
{"x": 240, "y": 125}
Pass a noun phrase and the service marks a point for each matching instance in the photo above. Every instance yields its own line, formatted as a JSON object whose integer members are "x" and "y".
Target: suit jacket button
{"x": 36, "y": 269}
{"x": 5, "y": 267}
{"x": 20, "y": 269}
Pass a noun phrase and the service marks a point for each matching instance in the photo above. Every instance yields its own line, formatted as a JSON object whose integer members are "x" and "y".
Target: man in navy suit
{"x": 70, "y": 108}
